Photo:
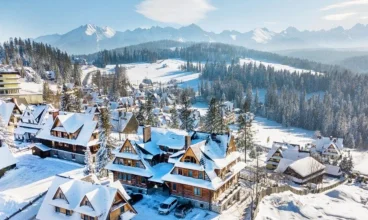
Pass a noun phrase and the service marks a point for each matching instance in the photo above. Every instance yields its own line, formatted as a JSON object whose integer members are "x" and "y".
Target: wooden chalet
{"x": 78, "y": 199}
{"x": 306, "y": 170}
{"x": 68, "y": 135}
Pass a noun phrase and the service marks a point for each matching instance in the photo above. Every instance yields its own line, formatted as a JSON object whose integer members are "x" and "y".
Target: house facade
{"x": 9, "y": 81}
{"x": 196, "y": 167}
{"x": 77, "y": 199}
{"x": 68, "y": 135}
{"x": 306, "y": 170}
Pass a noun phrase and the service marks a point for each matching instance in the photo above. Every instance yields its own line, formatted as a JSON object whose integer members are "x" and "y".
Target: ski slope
{"x": 162, "y": 71}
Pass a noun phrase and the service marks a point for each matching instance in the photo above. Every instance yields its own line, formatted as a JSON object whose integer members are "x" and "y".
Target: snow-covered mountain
{"x": 91, "y": 38}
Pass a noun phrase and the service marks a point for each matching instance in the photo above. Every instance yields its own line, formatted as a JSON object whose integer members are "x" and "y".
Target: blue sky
{"x": 32, "y": 18}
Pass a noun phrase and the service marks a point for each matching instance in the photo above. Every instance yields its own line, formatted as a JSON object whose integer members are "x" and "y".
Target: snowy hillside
{"x": 162, "y": 71}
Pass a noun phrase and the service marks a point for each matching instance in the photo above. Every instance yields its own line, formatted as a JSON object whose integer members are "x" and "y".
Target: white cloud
{"x": 181, "y": 12}
{"x": 345, "y": 4}
{"x": 338, "y": 17}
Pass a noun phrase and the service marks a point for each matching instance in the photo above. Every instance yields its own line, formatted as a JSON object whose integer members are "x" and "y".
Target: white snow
{"x": 233, "y": 36}
{"x": 343, "y": 202}
{"x": 267, "y": 129}
{"x": 360, "y": 159}
{"x": 262, "y": 36}
{"x": 32, "y": 177}
{"x": 6, "y": 157}
{"x": 276, "y": 66}
{"x": 136, "y": 72}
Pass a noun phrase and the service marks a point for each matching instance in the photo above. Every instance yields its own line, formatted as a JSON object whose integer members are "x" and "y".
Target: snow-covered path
{"x": 32, "y": 177}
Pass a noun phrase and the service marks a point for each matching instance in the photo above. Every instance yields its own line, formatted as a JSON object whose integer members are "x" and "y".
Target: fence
{"x": 26, "y": 206}
{"x": 272, "y": 190}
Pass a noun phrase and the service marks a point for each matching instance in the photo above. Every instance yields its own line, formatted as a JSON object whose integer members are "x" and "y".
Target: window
{"x": 91, "y": 218}
{"x": 197, "y": 191}
{"x": 190, "y": 173}
{"x": 74, "y": 148}
{"x": 57, "y": 209}
{"x": 190, "y": 159}
{"x": 137, "y": 164}
{"x": 67, "y": 212}
{"x": 128, "y": 149}
{"x": 180, "y": 172}
{"x": 85, "y": 217}
{"x": 200, "y": 175}
{"x": 144, "y": 180}
{"x": 174, "y": 186}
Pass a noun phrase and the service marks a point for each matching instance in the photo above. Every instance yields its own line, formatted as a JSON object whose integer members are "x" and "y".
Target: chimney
{"x": 54, "y": 113}
{"x": 188, "y": 141}
{"x": 146, "y": 133}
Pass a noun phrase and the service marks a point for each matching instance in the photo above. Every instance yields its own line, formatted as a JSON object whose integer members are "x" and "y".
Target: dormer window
{"x": 189, "y": 159}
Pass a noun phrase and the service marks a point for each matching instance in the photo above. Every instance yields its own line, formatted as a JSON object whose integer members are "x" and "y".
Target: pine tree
{"x": 141, "y": 114}
{"x": 77, "y": 74}
{"x": 88, "y": 161}
{"x": 46, "y": 92}
{"x": 174, "y": 117}
{"x": 104, "y": 152}
{"x": 213, "y": 118}
{"x": 244, "y": 139}
{"x": 187, "y": 122}
{"x": 149, "y": 114}
{"x": 248, "y": 99}
{"x": 67, "y": 100}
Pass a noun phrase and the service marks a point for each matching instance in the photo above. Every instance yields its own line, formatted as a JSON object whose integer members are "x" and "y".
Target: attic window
{"x": 189, "y": 159}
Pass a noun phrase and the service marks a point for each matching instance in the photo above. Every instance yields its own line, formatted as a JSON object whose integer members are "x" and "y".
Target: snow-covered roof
{"x": 306, "y": 166}
{"x": 6, "y": 110}
{"x": 35, "y": 116}
{"x": 7, "y": 69}
{"x": 71, "y": 122}
{"x": 322, "y": 142}
{"x": 120, "y": 119}
{"x": 283, "y": 165}
{"x": 159, "y": 170}
{"x": 128, "y": 169}
{"x": 172, "y": 140}
{"x": 333, "y": 170}
{"x": 101, "y": 199}
{"x": 6, "y": 157}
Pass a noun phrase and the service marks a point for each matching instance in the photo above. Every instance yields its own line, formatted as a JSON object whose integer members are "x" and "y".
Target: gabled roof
{"x": 306, "y": 166}
{"x": 6, "y": 110}
{"x": 6, "y": 157}
{"x": 101, "y": 199}
{"x": 71, "y": 122}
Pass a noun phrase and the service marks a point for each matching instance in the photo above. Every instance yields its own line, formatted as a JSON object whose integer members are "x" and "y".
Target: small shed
{"x": 41, "y": 150}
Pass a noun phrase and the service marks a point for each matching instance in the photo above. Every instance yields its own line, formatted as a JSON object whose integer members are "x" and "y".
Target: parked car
{"x": 167, "y": 205}
{"x": 135, "y": 197}
{"x": 182, "y": 210}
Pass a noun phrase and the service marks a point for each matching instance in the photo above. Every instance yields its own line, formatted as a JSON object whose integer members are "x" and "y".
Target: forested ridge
{"x": 41, "y": 57}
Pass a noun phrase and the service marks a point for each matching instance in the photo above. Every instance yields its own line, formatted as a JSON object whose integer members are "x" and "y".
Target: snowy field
{"x": 30, "y": 87}
{"x": 360, "y": 159}
{"x": 342, "y": 202}
{"x": 276, "y": 66}
{"x": 32, "y": 177}
{"x": 158, "y": 73}
{"x": 266, "y": 129}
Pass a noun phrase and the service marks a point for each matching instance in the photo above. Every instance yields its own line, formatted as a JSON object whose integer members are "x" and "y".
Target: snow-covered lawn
{"x": 343, "y": 202}
{"x": 276, "y": 66}
{"x": 266, "y": 129}
{"x": 32, "y": 177}
{"x": 157, "y": 72}
{"x": 30, "y": 87}
{"x": 360, "y": 159}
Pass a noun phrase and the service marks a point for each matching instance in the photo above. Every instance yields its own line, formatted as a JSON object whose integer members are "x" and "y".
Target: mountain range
{"x": 91, "y": 38}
